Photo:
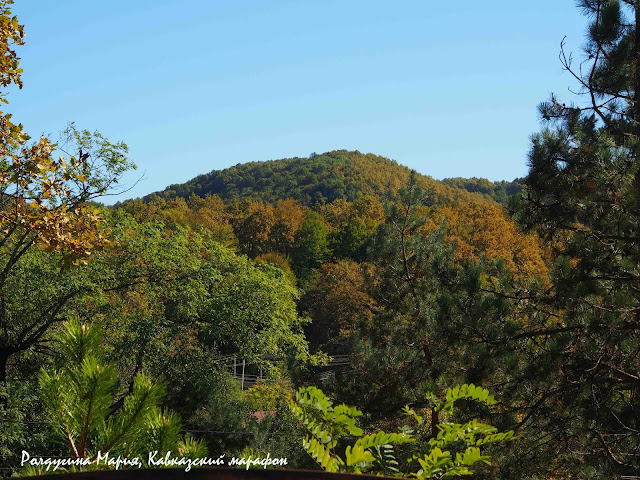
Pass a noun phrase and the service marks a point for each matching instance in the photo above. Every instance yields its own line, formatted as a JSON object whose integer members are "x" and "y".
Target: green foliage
{"x": 24, "y": 325}
{"x": 275, "y": 430}
{"x": 582, "y": 194}
{"x": 172, "y": 302}
{"x": 44, "y": 207}
{"x": 189, "y": 302}
{"x": 352, "y": 242}
{"x": 436, "y": 456}
{"x": 313, "y": 246}
{"x": 444, "y": 300}
{"x": 499, "y": 191}
{"x": 311, "y": 181}
{"x": 79, "y": 399}
{"x": 21, "y": 420}
{"x": 400, "y": 349}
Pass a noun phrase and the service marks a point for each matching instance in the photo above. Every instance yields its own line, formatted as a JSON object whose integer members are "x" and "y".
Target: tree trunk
{"x": 435, "y": 421}
{"x": 5, "y": 354}
{"x": 636, "y": 91}
{"x": 636, "y": 71}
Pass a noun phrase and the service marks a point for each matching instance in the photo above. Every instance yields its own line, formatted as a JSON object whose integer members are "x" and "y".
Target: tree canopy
{"x": 582, "y": 194}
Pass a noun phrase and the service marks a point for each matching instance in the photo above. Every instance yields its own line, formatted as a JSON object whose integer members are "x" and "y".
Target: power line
{"x": 218, "y": 432}
{"x": 25, "y": 422}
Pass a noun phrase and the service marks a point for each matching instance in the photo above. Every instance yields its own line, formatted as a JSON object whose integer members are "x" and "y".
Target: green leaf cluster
{"x": 327, "y": 425}
{"x": 436, "y": 457}
{"x": 79, "y": 398}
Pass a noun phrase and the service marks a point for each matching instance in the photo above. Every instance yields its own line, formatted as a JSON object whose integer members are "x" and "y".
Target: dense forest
{"x": 326, "y": 178}
{"x": 500, "y": 191}
{"x": 340, "y": 311}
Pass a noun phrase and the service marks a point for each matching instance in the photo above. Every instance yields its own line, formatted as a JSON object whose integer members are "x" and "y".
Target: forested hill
{"x": 500, "y": 191}
{"x": 316, "y": 179}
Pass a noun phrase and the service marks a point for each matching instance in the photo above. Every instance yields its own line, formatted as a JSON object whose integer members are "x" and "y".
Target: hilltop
{"x": 316, "y": 179}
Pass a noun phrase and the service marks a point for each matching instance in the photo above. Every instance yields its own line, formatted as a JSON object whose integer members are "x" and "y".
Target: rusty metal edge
{"x": 219, "y": 473}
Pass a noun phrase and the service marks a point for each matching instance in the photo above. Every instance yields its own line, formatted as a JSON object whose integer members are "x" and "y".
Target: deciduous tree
{"x": 44, "y": 203}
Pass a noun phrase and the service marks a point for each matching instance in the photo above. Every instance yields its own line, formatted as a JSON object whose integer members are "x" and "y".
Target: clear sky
{"x": 447, "y": 88}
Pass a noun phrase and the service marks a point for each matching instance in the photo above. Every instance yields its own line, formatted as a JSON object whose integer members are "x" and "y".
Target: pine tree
{"x": 79, "y": 398}
{"x": 427, "y": 309}
{"x": 397, "y": 357}
{"x": 583, "y": 195}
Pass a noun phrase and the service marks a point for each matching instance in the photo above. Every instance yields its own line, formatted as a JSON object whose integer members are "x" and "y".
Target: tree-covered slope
{"x": 500, "y": 191}
{"x": 313, "y": 180}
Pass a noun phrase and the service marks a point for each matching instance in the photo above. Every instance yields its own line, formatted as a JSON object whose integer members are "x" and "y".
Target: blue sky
{"x": 447, "y": 88}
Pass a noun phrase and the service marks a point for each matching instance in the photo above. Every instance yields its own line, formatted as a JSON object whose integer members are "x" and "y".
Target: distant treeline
{"x": 500, "y": 191}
